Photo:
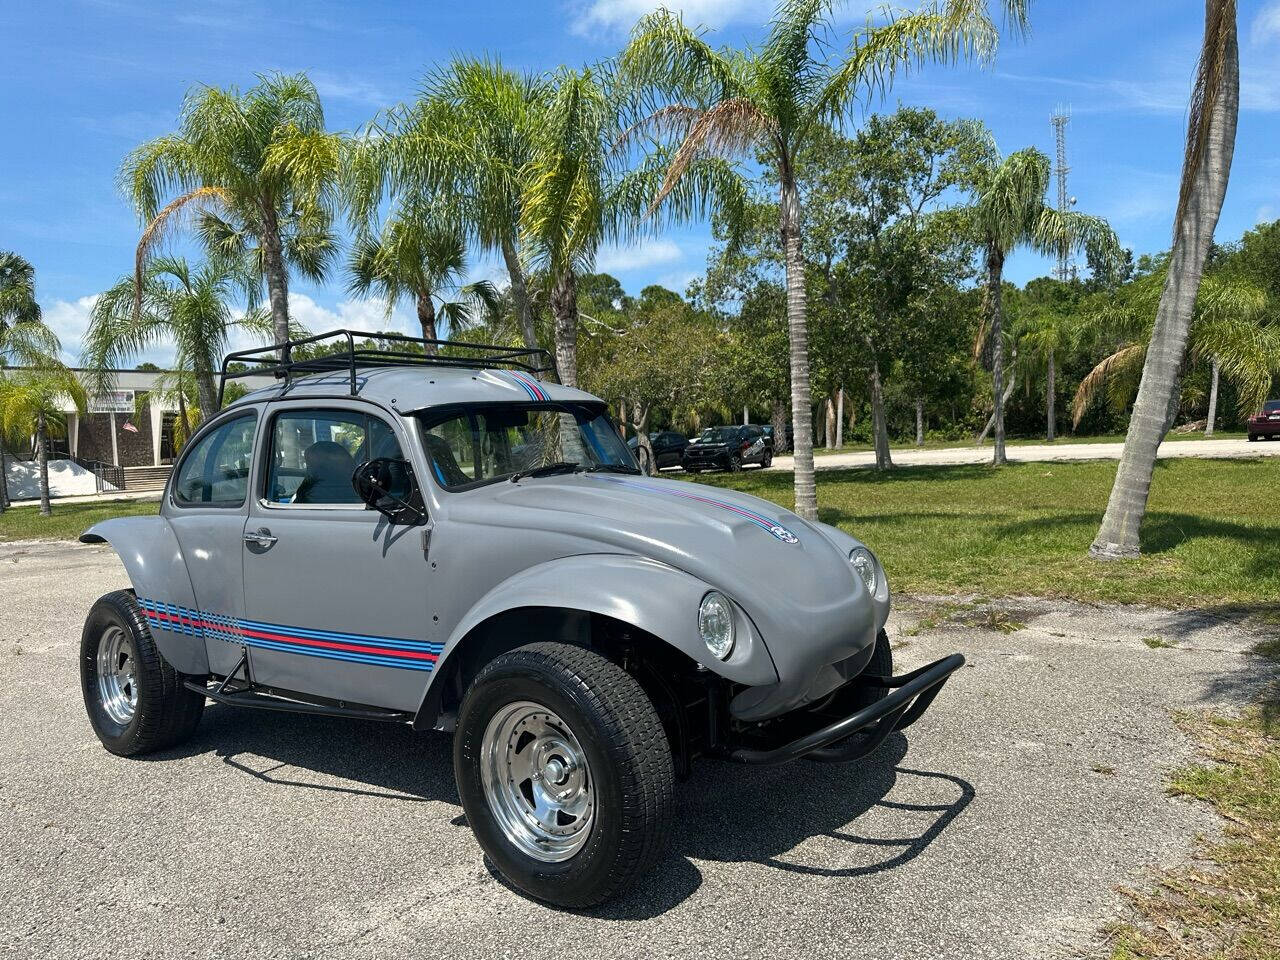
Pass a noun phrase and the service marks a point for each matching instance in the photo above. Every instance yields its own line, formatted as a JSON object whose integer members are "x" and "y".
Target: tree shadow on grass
{"x": 725, "y": 812}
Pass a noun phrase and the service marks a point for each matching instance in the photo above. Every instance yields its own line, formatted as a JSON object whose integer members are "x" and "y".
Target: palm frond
{"x": 1113, "y": 374}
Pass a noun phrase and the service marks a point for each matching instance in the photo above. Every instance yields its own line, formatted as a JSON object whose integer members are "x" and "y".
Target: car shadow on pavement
{"x": 725, "y": 812}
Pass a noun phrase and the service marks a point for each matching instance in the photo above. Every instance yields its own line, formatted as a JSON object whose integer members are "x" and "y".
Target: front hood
{"x": 786, "y": 573}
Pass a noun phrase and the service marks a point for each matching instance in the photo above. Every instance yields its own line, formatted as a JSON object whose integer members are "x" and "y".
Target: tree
{"x": 1045, "y": 327}
{"x": 1211, "y": 135}
{"x": 24, "y": 338}
{"x": 191, "y": 309}
{"x": 258, "y": 173}
{"x": 1008, "y": 211}
{"x": 1231, "y": 330}
{"x": 767, "y": 102}
{"x": 467, "y": 139}
{"x": 421, "y": 257}
{"x": 31, "y": 402}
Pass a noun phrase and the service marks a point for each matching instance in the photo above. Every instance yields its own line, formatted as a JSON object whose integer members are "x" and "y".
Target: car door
{"x": 335, "y": 594}
{"x": 206, "y": 506}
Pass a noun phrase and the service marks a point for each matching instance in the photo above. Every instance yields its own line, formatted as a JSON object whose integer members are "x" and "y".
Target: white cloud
{"x": 614, "y": 259}
{"x": 69, "y": 319}
{"x": 350, "y": 88}
{"x": 1266, "y": 213}
{"x": 370, "y": 315}
{"x": 1266, "y": 25}
{"x": 618, "y": 16}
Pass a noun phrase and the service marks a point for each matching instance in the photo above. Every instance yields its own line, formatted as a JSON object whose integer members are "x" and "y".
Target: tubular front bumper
{"x": 858, "y": 734}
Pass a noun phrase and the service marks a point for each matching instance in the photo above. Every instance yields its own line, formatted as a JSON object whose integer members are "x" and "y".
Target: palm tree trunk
{"x": 206, "y": 394}
{"x": 427, "y": 320}
{"x": 4, "y": 479}
{"x": 778, "y": 417}
{"x": 1213, "y": 399}
{"x": 840, "y": 418}
{"x": 919, "y": 422}
{"x": 879, "y": 425}
{"x": 520, "y": 294}
{"x": 991, "y": 420}
{"x": 829, "y": 424}
{"x": 1205, "y": 184}
{"x": 42, "y": 457}
{"x": 564, "y": 308}
{"x": 183, "y": 425}
{"x": 1050, "y": 400}
{"x": 640, "y": 421}
{"x": 277, "y": 275}
{"x": 995, "y": 271}
{"x": 806, "y": 491}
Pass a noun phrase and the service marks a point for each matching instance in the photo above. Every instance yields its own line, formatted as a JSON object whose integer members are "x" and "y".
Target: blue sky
{"x": 86, "y": 80}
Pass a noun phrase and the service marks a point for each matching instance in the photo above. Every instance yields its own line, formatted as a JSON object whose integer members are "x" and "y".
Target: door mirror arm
{"x": 372, "y": 481}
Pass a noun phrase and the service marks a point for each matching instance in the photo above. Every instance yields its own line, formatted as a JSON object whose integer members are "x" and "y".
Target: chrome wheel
{"x": 536, "y": 781}
{"x": 117, "y": 676}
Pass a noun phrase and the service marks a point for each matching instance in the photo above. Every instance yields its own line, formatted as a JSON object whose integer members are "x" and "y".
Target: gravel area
{"x": 999, "y": 827}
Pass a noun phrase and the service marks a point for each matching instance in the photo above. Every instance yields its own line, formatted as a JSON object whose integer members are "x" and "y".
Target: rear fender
{"x": 652, "y": 596}
{"x": 157, "y": 569}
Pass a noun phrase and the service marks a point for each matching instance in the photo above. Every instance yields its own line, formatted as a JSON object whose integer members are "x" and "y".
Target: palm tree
{"x": 31, "y": 402}
{"x": 464, "y": 142}
{"x": 191, "y": 309}
{"x": 1008, "y": 211}
{"x": 259, "y": 172}
{"x": 24, "y": 338}
{"x": 420, "y": 256}
{"x": 766, "y": 103}
{"x": 1227, "y": 331}
{"x": 1211, "y": 136}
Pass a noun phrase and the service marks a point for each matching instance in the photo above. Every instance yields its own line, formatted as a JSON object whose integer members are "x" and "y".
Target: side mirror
{"x": 386, "y": 484}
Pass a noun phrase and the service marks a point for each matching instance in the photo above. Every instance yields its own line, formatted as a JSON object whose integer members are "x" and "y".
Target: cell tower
{"x": 1061, "y": 117}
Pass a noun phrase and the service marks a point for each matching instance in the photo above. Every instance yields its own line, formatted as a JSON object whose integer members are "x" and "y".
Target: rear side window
{"x": 216, "y": 470}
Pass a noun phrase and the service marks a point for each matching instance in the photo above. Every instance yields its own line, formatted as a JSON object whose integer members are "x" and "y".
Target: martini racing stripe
{"x": 351, "y": 647}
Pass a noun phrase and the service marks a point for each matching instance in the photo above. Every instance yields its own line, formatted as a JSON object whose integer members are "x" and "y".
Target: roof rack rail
{"x": 277, "y": 358}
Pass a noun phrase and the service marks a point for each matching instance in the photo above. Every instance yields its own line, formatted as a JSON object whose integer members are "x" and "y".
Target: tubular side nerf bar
{"x": 858, "y": 734}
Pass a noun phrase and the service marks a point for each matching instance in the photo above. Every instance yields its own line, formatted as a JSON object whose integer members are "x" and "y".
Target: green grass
{"x": 1231, "y": 911}
{"x": 1019, "y": 442}
{"x": 69, "y": 520}
{"x": 1211, "y": 537}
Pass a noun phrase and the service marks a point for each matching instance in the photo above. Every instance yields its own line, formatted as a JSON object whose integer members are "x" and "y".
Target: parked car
{"x": 448, "y": 543}
{"x": 1266, "y": 423}
{"x": 728, "y": 448}
{"x": 668, "y": 447}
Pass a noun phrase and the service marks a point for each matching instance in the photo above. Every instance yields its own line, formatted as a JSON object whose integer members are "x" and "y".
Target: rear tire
{"x": 565, "y": 773}
{"x": 735, "y": 464}
{"x": 135, "y": 700}
{"x": 767, "y": 462}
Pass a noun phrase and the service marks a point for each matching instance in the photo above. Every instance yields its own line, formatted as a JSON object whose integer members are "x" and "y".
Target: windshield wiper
{"x": 546, "y": 470}
{"x": 613, "y": 468}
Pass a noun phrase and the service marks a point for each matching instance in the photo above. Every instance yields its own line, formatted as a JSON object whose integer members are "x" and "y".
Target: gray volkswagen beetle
{"x": 444, "y": 540}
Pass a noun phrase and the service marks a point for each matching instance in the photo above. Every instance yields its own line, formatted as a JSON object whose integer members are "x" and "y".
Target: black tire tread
{"x": 176, "y": 712}
{"x": 634, "y": 740}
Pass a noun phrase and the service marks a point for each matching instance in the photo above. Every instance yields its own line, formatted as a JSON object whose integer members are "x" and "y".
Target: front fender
{"x": 158, "y": 571}
{"x": 649, "y": 595}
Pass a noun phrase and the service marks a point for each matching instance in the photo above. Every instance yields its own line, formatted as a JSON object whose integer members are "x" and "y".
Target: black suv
{"x": 728, "y": 448}
{"x": 667, "y": 447}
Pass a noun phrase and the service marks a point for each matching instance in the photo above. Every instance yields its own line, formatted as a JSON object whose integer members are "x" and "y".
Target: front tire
{"x": 735, "y": 464}
{"x": 565, "y": 773}
{"x": 135, "y": 700}
{"x": 767, "y": 462}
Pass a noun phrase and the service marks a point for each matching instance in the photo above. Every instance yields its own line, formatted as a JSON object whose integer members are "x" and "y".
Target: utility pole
{"x": 1061, "y": 117}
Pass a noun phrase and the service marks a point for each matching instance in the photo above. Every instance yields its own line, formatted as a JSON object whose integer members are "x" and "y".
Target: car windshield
{"x": 719, "y": 435}
{"x": 481, "y": 444}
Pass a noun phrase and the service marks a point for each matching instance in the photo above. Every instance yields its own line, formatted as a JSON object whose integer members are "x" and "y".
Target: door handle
{"x": 262, "y": 538}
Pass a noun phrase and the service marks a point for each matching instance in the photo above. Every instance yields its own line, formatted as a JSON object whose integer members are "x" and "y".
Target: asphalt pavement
{"x": 1000, "y": 826}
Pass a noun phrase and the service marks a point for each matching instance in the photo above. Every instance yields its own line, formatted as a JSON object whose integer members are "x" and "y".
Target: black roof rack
{"x": 277, "y": 359}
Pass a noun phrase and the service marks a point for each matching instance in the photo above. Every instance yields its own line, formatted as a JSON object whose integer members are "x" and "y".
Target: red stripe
{"x": 302, "y": 641}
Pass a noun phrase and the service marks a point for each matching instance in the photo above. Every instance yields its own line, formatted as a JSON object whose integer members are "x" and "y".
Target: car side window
{"x": 215, "y": 471}
{"x": 314, "y": 452}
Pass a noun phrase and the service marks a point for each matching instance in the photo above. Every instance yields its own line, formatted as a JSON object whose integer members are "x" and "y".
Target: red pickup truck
{"x": 1266, "y": 423}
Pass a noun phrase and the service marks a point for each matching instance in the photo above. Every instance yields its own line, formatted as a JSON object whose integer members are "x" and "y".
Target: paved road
{"x": 999, "y": 828}
{"x": 1231, "y": 448}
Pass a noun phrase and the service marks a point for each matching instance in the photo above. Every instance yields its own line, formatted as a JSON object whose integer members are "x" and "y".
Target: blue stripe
{"x": 340, "y": 655}
{"x": 425, "y": 646}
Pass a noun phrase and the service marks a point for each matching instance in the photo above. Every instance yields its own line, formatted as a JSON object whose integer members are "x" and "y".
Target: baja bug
{"x": 429, "y": 534}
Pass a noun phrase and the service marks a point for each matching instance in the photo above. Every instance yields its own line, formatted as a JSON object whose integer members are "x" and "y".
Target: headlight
{"x": 715, "y": 624}
{"x": 865, "y": 564}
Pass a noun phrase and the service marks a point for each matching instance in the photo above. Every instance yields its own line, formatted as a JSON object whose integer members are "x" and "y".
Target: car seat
{"x": 328, "y": 475}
